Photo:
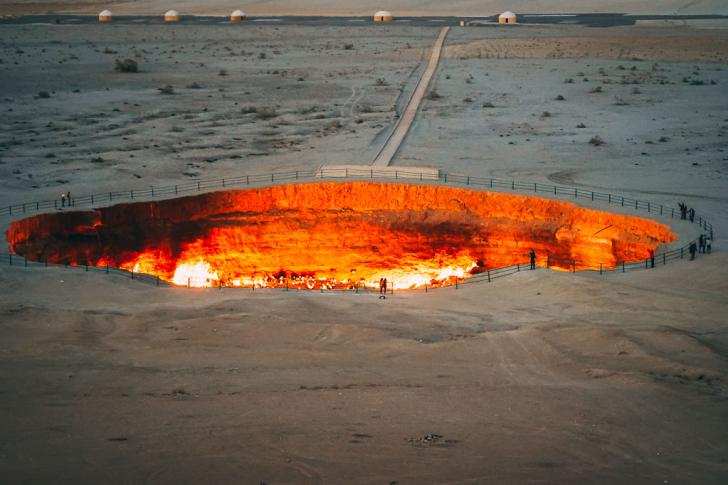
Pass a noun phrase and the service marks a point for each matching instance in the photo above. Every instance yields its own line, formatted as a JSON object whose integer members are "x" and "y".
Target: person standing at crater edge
{"x": 532, "y": 255}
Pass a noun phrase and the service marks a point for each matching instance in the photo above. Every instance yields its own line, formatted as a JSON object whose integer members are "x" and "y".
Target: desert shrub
{"x": 636, "y": 91}
{"x": 620, "y": 102}
{"x": 348, "y": 46}
{"x": 262, "y": 55}
{"x": 109, "y": 51}
{"x": 569, "y": 81}
{"x": 194, "y": 86}
{"x": 266, "y": 113}
{"x": 488, "y": 104}
{"x": 126, "y": 65}
{"x": 166, "y": 89}
{"x": 545, "y": 114}
{"x": 581, "y": 125}
{"x": 468, "y": 100}
{"x": 246, "y": 110}
{"x": 596, "y": 141}
{"x": 222, "y": 72}
{"x": 597, "y": 89}
{"x": 432, "y": 95}
{"x": 381, "y": 82}
{"x": 663, "y": 139}
{"x": 559, "y": 98}
{"x": 44, "y": 94}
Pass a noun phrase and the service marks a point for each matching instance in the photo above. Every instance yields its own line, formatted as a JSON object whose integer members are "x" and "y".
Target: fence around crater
{"x": 104, "y": 199}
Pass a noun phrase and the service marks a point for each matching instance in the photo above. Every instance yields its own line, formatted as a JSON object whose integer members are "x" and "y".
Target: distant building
{"x": 507, "y": 18}
{"x": 171, "y": 16}
{"x": 105, "y": 16}
{"x": 237, "y": 16}
{"x": 383, "y": 16}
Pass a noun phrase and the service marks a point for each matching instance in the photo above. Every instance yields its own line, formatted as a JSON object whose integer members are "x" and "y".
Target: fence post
{"x": 622, "y": 266}
{"x": 600, "y": 268}
{"x": 664, "y": 258}
{"x": 456, "y": 282}
{"x": 513, "y": 185}
{"x": 188, "y": 282}
{"x": 107, "y": 267}
{"x": 534, "y": 187}
{"x": 132, "y": 194}
{"x": 646, "y": 263}
{"x": 636, "y": 204}
{"x": 111, "y": 197}
{"x": 132, "y": 273}
{"x": 488, "y": 276}
{"x": 425, "y": 287}
{"x": 548, "y": 261}
{"x": 467, "y": 181}
{"x": 175, "y": 190}
{"x": 672, "y": 212}
{"x": 609, "y": 197}
{"x": 152, "y": 186}
{"x": 660, "y": 209}
{"x": 296, "y": 174}
{"x": 592, "y": 195}
{"x": 157, "y": 280}
{"x": 491, "y": 183}
{"x": 576, "y": 193}
{"x": 247, "y": 179}
{"x": 622, "y": 201}
{"x": 518, "y": 267}
{"x": 554, "y": 190}
{"x": 92, "y": 199}
{"x": 445, "y": 177}
{"x": 223, "y": 182}
{"x": 198, "y": 185}
{"x": 681, "y": 253}
{"x": 573, "y": 266}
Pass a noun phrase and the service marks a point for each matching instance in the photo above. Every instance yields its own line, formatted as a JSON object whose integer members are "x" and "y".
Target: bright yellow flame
{"x": 195, "y": 274}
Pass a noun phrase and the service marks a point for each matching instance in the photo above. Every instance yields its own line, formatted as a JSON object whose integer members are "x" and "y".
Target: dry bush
{"x": 166, "y": 89}
{"x": 126, "y": 65}
{"x": 596, "y": 141}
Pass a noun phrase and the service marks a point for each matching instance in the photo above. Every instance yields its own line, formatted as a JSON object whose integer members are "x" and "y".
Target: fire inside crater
{"x": 336, "y": 235}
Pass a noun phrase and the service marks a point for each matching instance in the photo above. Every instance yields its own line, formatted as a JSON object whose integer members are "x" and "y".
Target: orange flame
{"x": 337, "y": 235}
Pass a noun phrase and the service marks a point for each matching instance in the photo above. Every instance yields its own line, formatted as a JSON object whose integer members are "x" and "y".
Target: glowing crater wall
{"x": 336, "y": 234}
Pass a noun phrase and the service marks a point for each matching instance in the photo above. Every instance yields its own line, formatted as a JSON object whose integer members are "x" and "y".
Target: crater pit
{"x": 336, "y": 235}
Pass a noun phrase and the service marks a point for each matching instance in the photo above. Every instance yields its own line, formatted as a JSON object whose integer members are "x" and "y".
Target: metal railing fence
{"x": 209, "y": 185}
{"x": 102, "y": 199}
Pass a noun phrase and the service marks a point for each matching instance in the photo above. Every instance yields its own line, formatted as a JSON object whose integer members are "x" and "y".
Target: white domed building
{"x": 507, "y": 18}
{"x": 171, "y": 16}
{"x": 383, "y": 16}
{"x": 237, "y": 16}
{"x": 105, "y": 16}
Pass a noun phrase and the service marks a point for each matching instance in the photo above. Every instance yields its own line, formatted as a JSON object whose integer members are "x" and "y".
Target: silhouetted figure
{"x": 63, "y": 199}
{"x": 68, "y": 198}
{"x": 652, "y": 257}
{"x": 701, "y": 243}
{"x": 708, "y": 243}
{"x": 693, "y": 249}
{"x": 683, "y": 210}
{"x": 532, "y": 255}
{"x": 691, "y": 214}
{"x": 382, "y": 288}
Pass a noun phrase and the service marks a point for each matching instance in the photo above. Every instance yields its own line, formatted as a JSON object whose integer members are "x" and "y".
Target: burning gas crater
{"x": 336, "y": 235}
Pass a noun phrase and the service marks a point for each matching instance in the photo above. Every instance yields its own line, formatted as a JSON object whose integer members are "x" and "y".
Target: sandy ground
{"x": 539, "y": 377}
{"x": 368, "y": 7}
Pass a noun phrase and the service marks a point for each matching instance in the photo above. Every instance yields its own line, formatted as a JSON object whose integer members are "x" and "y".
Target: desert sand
{"x": 539, "y": 377}
{"x": 471, "y": 8}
